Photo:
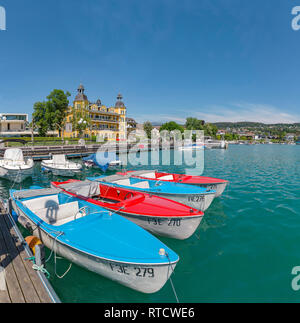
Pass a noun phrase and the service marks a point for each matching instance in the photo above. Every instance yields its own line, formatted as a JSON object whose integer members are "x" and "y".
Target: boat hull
{"x": 209, "y": 183}
{"x": 142, "y": 277}
{"x": 196, "y": 201}
{"x": 16, "y": 176}
{"x": 180, "y": 228}
{"x": 111, "y": 166}
{"x": 158, "y": 215}
{"x": 218, "y": 187}
{"x": 60, "y": 172}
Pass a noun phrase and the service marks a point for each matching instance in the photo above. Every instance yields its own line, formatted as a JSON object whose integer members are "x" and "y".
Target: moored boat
{"x": 192, "y": 147}
{"x": 60, "y": 166}
{"x": 14, "y": 167}
{"x": 103, "y": 161}
{"x": 94, "y": 238}
{"x": 196, "y": 197}
{"x": 211, "y": 183}
{"x": 158, "y": 215}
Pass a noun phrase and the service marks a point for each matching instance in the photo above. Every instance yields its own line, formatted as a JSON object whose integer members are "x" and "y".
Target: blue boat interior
{"x": 145, "y": 185}
{"x": 58, "y": 209}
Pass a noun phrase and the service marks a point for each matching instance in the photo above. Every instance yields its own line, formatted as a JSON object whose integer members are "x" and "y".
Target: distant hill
{"x": 156, "y": 124}
{"x": 246, "y": 124}
{"x": 258, "y": 127}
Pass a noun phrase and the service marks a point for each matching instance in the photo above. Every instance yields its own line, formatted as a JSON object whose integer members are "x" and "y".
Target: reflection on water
{"x": 245, "y": 247}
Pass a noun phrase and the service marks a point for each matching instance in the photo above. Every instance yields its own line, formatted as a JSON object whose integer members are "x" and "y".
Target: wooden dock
{"x": 19, "y": 283}
{"x": 71, "y": 151}
{"x": 77, "y": 151}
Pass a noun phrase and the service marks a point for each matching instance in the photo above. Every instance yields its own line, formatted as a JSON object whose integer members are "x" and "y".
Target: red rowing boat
{"x": 210, "y": 183}
{"x": 156, "y": 214}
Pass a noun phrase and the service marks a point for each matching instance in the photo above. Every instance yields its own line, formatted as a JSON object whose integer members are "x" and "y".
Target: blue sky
{"x": 220, "y": 60}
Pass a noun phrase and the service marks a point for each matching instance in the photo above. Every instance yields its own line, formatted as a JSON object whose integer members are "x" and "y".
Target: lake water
{"x": 245, "y": 248}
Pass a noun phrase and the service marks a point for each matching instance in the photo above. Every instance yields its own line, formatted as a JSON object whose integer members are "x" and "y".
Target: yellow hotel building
{"x": 107, "y": 122}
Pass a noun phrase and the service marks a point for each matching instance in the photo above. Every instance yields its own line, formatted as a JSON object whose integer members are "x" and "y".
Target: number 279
{"x": 143, "y": 272}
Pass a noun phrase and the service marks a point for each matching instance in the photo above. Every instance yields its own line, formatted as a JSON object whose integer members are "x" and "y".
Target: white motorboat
{"x": 14, "y": 167}
{"x": 60, "y": 166}
{"x": 192, "y": 147}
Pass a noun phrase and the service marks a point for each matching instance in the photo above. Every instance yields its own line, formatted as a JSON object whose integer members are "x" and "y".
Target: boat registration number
{"x": 138, "y": 271}
{"x": 195, "y": 198}
{"x": 210, "y": 187}
{"x": 171, "y": 222}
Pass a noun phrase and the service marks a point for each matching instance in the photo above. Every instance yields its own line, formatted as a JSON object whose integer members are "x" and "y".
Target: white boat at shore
{"x": 191, "y": 147}
{"x": 60, "y": 166}
{"x": 14, "y": 167}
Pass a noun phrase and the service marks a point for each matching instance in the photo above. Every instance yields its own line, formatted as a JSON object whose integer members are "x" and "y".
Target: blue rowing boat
{"x": 196, "y": 197}
{"x": 95, "y": 238}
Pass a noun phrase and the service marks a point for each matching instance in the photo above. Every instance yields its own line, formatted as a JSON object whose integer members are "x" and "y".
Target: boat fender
{"x": 33, "y": 242}
{"x": 38, "y": 259}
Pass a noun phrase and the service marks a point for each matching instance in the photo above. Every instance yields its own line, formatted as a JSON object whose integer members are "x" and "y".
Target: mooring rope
{"x": 54, "y": 241}
{"x": 62, "y": 276}
{"x": 15, "y": 180}
{"x": 173, "y": 288}
{"x": 42, "y": 269}
{"x": 55, "y": 257}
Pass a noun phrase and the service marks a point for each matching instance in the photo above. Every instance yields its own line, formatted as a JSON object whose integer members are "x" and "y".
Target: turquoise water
{"x": 244, "y": 249}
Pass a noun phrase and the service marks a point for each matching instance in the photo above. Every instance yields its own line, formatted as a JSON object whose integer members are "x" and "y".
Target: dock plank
{"x": 23, "y": 278}
{"x": 37, "y": 284}
{"x": 4, "y": 296}
{"x": 22, "y": 283}
{"x": 13, "y": 287}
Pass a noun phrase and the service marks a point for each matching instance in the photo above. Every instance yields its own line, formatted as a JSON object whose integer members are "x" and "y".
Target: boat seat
{"x": 166, "y": 178}
{"x": 125, "y": 182}
{"x": 148, "y": 175}
{"x": 59, "y": 159}
{"x": 141, "y": 185}
{"x": 41, "y": 202}
{"x": 60, "y": 214}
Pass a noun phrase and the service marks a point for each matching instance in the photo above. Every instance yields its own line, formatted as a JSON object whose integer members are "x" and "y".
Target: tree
{"x": 39, "y": 118}
{"x": 57, "y": 107}
{"x": 170, "y": 126}
{"x": 148, "y": 128}
{"x": 194, "y": 124}
{"x": 281, "y": 135}
{"x": 51, "y": 114}
{"x": 210, "y": 130}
